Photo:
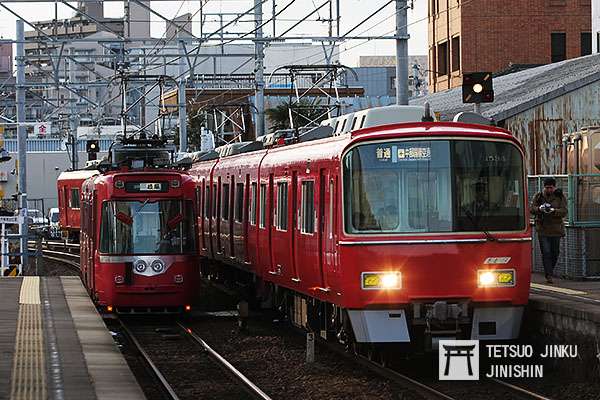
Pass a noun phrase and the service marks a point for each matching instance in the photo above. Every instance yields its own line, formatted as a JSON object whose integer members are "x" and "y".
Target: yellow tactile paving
{"x": 557, "y": 289}
{"x": 29, "y": 369}
{"x": 30, "y": 290}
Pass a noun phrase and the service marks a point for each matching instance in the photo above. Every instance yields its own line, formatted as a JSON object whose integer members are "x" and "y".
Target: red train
{"x": 138, "y": 231}
{"x": 390, "y": 230}
{"x": 69, "y": 194}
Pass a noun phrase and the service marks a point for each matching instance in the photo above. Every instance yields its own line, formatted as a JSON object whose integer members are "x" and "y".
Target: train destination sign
{"x": 398, "y": 154}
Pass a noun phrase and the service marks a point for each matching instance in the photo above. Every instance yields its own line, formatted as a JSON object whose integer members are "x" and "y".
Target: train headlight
{"x": 496, "y": 278}
{"x": 119, "y": 184}
{"x": 157, "y": 266}
{"x": 381, "y": 280}
{"x": 140, "y": 266}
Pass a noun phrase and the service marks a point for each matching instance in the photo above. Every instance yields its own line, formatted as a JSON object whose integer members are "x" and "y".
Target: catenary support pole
{"x": 401, "y": 53}
{"x": 259, "y": 67}
{"x": 183, "y": 138}
{"x": 22, "y": 139}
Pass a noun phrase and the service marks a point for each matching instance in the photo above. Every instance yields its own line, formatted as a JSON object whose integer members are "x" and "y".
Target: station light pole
{"x": 401, "y": 53}
{"x": 21, "y": 140}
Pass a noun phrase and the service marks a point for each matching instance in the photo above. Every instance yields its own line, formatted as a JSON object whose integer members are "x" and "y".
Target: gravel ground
{"x": 273, "y": 357}
{"x": 49, "y": 268}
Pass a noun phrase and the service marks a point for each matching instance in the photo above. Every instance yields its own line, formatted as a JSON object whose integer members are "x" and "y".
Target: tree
{"x": 303, "y": 112}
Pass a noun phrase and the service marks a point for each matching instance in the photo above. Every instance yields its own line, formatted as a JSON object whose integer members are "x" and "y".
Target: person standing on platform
{"x": 549, "y": 208}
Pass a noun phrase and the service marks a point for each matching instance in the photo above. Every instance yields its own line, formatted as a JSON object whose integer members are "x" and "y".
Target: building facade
{"x": 596, "y": 25}
{"x": 377, "y": 75}
{"x": 495, "y": 35}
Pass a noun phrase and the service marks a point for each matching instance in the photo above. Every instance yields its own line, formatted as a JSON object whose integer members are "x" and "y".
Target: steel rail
{"x": 403, "y": 380}
{"x": 519, "y": 390}
{"x": 254, "y": 390}
{"x": 163, "y": 381}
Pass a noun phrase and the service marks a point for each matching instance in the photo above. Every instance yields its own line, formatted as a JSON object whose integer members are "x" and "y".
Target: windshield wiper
{"x": 476, "y": 224}
{"x": 140, "y": 209}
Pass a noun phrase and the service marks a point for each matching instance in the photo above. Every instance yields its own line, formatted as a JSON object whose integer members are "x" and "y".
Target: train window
{"x": 331, "y": 198}
{"x": 207, "y": 201}
{"x": 433, "y": 186}
{"x": 74, "y": 203}
{"x": 239, "y": 202}
{"x": 253, "y": 194}
{"x": 308, "y": 207}
{"x": 147, "y": 227}
{"x": 263, "y": 204}
{"x": 225, "y": 202}
{"x": 214, "y": 202}
{"x": 282, "y": 206}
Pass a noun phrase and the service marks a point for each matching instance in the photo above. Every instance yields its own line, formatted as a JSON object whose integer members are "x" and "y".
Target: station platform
{"x": 54, "y": 344}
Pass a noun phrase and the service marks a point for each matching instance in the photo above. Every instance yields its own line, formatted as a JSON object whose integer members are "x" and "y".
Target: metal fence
{"x": 580, "y": 252}
{"x": 51, "y": 145}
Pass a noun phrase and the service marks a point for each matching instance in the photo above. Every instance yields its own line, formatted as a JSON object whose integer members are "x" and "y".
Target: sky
{"x": 352, "y": 12}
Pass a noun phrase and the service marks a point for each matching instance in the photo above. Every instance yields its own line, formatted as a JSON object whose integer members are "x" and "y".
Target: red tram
{"x": 138, "y": 233}
{"x": 386, "y": 230}
{"x": 69, "y": 193}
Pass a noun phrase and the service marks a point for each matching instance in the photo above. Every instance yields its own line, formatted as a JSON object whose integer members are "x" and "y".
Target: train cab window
{"x": 239, "y": 202}
{"x": 74, "y": 201}
{"x": 282, "y": 206}
{"x": 263, "y": 205}
{"x": 307, "y": 224}
{"x": 433, "y": 186}
{"x": 147, "y": 227}
{"x": 253, "y": 198}
{"x": 225, "y": 202}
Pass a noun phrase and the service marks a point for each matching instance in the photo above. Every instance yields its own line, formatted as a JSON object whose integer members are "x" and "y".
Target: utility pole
{"x": 22, "y": 141}
{"x": 73, "y": 114}
{"x": 183, "y": 144}
{"x": 259, "y": 69}
{"x": 401, "y": 53}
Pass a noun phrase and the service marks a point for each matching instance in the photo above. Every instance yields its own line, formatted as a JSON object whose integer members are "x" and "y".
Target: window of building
{"x": 225, "y": 202}
{"x": 253, "y": 193}
{"x": 442, "y": 58}
{"x": 239, "y": 202}
{"x": 282, "y": 206}
{"x": 456, "y": 53}
{"x": 586, "y": 43}
{"x": 558, "y": 46}
{"x": 263, "y": 204}
{"x": 308, "y": 207}
{"x": 598, "y": 42}
{"x": 74, "y": 203}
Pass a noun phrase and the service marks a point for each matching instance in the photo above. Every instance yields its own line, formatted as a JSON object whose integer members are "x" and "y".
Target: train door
{"x": 282, "y": 229}
{"x": 217, "y": 217}
{"x": 270, "y": 216}
{"x": 246, "y": 222}
{"x": 93, "y": 240}
{"x": 67, "y": 205}
{"x": 327, "y": 214}
{"x": 201, "y": 209}
{"x": 294, "y": 225}
{"x": 306, "y": 251}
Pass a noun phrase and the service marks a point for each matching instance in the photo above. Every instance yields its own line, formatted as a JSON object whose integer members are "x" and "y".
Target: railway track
{"x": 65, "y": 253}
{"x": 184, "y": 365}
{"x": 435, "y": 390}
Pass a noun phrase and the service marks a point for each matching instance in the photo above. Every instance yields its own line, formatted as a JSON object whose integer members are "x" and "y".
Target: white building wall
{"x": 596, "y": 26}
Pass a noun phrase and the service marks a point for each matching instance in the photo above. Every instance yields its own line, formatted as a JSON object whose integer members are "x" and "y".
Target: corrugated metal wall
{"x": 540, "y": 129}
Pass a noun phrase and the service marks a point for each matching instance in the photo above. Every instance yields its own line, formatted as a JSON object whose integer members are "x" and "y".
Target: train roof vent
{"x": 320, "y": 132}
{"x": 204, "y": 156}
{"x": 239, "y": 148}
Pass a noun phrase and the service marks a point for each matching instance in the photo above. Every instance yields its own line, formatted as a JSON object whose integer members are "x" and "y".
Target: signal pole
{"x": 22, "y": 141}
{"x": 259, "y": 67}
{"x": 401, "y": 53}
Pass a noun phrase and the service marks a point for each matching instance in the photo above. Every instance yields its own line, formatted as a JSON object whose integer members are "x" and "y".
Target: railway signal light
{"x": 477, "y": 87}
{"x": 92, "y": 147}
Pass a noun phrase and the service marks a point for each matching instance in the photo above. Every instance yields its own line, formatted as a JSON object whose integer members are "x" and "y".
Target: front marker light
{"x": 381, "y": 280}
{"x": 496, "y": 278}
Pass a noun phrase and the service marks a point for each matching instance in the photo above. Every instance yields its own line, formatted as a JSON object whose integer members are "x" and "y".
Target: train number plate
{"x": 150, "y": 187}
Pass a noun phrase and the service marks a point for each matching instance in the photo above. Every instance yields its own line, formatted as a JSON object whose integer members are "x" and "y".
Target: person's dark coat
{"x": 550, "y": 224}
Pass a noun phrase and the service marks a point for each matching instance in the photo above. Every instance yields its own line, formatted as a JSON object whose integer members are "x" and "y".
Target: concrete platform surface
{"x": 54, "y": 344}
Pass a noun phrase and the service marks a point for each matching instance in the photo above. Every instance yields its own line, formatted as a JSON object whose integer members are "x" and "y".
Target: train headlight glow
{"x": 157, "y": 266}
{"x": 496, "y": 278}
{"x": 381, "y": 280}
{"x": 140, "y": 266}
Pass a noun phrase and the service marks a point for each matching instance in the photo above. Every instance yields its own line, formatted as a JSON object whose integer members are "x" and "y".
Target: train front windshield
{"x": 433, "y": 186}
{"x": 147, "y": 227}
